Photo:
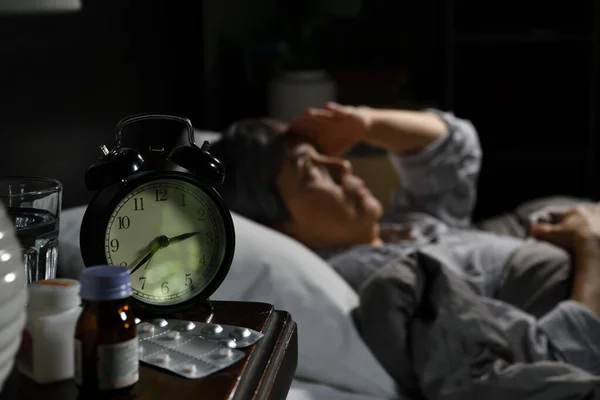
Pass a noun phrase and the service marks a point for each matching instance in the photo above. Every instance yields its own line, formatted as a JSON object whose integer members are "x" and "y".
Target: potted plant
{"x": 301, "y": 80}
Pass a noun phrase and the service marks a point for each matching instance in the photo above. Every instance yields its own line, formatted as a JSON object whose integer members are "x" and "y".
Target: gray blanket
{"x": 440, "y": 340}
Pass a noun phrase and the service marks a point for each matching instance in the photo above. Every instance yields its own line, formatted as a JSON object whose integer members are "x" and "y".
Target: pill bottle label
{"x": 78, "y": 362}
{"x": 118, "y": 365}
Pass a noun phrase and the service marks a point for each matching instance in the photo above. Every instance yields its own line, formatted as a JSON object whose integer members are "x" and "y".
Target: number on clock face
{"x": 180, "y": 226}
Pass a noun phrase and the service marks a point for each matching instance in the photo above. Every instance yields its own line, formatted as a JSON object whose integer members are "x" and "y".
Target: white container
{"x": 46, "y": 353}
{"x": 292, "y": 92}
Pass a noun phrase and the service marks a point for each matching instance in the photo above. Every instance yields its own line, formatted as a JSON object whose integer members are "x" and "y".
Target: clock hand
{"x": 159, "y": 243}
{"x": 144, "y": 260}
{"x": 155, "y": 245}
{"x": 181, "y": 237}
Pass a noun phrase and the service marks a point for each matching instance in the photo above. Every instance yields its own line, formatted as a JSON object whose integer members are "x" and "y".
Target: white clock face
{"x": 171, "y": 236}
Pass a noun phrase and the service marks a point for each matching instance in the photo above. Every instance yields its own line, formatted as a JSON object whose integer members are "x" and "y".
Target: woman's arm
{"x": 402, "y": 132}
{"x": 586, "y": 282}
{"x": 440, "y": 180}
{"x": 578, "y": 230}
{"x": 335, "y": 129}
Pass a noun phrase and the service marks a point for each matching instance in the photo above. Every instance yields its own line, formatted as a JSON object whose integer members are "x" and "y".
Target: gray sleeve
{"x": 573, "y": 331}
{"x": 441, "y": 180}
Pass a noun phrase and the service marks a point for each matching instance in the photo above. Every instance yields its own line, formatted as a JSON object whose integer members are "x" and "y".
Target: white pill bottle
{"x": 46, "y": 353}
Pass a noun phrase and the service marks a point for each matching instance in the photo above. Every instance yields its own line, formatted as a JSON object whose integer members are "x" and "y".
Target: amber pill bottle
{"x": 106, "y": 343}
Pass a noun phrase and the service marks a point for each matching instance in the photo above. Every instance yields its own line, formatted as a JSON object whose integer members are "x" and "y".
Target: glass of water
{"x": 34, "y": 205}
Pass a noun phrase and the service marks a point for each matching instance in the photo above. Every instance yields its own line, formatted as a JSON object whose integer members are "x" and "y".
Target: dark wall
{"x": 66, "y": 79}
{"x": 528, "y": 79}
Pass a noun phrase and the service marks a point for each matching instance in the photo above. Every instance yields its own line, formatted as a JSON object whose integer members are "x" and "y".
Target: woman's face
{"x": 329, "y": 206}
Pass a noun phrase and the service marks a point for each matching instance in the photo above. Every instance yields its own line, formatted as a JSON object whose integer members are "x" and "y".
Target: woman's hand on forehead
{"x": 333, "y": 129}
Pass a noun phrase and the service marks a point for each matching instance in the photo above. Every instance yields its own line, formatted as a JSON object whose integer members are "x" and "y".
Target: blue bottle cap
{"x": 105, "y": 282}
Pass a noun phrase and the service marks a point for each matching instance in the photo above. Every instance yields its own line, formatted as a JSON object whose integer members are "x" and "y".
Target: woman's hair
{"x": 252, "y": 151}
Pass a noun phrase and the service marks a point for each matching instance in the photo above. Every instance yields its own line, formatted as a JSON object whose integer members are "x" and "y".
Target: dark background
{"x": 524, "y": 72}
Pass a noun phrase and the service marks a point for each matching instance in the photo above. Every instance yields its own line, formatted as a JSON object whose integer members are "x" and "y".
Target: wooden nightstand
{"x": 266, "y": 371}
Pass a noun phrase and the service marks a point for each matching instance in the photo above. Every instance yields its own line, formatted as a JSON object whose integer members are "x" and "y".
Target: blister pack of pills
{"x": 230, "y": 336}
{"x": 192, "y": 349}
{"x": 187, "y": 355}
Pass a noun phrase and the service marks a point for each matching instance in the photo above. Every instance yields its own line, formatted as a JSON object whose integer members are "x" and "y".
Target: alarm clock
{"x": 170, "y": 228}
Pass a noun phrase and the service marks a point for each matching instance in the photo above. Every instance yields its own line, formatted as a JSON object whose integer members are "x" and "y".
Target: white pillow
{"x": 273, "y": 268}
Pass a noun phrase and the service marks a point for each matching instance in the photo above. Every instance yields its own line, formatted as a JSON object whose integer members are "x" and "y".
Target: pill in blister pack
{"x": 228, "y": 335}
{"x": 190, "y": 356}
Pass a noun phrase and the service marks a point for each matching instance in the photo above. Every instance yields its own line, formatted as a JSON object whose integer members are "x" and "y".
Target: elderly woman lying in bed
{"x": 517, "y": 300}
